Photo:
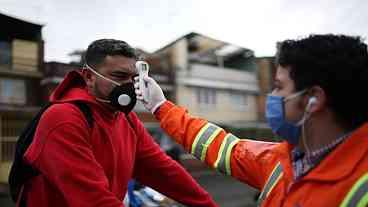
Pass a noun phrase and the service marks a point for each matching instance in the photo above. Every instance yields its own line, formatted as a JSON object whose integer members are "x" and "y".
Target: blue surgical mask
{"x": 275, "y": 115}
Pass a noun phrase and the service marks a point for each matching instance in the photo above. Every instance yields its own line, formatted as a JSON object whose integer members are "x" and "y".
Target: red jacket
{"x": 340, "y": 179}
{"x": 80, "y": 166}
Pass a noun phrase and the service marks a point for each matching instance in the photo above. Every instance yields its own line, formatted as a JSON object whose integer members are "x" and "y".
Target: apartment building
{"x": 21, "y": 61}
{"x": 214, "y": 79}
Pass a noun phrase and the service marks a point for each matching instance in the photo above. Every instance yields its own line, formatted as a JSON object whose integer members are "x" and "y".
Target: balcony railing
{"x": 7, "y": 148}
{"x": 11, "y": 127}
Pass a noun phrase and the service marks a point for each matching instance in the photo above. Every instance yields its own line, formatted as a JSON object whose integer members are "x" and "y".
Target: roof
{"x": 176, "y": 40}
{"x": 192, "y": 34}
{"x": 14, "y": 17}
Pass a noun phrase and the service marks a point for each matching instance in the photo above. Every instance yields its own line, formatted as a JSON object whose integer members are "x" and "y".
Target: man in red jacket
{"x": 84, "y": 166}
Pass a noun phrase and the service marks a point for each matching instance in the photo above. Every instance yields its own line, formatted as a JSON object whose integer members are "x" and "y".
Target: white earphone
{"x": 312, "y": 100}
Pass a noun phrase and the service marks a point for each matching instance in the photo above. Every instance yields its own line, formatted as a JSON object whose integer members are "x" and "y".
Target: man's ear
{"x": 88, "y": 77}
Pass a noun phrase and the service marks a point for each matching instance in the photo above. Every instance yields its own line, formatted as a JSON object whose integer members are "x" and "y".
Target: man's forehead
{"x": 121, "y": 63}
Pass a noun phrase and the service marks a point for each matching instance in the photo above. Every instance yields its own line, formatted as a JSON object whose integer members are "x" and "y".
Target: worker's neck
{"x": 319, "y": 131}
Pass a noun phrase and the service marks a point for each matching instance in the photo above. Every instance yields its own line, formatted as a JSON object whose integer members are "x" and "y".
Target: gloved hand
{"x": 155, "y": 95}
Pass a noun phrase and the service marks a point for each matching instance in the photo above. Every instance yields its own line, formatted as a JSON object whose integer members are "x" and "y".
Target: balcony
{"x": 11, "y": 124}
{"x": 209, "y": 76}
{"x": 20, "y": 58}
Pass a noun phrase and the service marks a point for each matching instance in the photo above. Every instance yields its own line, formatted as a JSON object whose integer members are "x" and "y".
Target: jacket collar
{"x": 338, "y": 164}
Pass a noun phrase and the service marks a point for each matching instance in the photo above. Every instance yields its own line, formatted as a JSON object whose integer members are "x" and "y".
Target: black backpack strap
{"x": 86, "y": 110}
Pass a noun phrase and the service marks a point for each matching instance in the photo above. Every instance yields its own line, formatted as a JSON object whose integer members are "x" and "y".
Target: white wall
{"x": 224, "y": 110}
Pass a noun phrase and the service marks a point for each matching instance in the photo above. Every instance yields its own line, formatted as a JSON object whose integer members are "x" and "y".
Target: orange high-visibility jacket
{"x": 340, "y": 179}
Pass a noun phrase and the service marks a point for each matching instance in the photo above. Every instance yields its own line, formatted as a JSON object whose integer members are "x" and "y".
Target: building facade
{"x": 21, "y": 61}
{"x": 214, "y": 79}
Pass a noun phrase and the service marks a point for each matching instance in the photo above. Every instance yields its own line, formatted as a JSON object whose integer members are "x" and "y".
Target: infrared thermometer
{"x": 143, "y": 69}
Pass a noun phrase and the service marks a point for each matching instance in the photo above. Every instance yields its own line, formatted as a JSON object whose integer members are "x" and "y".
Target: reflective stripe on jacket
{"x": 253, "y": 162}
{"x": 358, "y": 195}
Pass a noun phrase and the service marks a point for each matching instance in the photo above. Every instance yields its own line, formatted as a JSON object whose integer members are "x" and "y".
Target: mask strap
{"x": 294, "y": 95}
{"x": 101, "y": 76}
{"x": 103, "y": 100}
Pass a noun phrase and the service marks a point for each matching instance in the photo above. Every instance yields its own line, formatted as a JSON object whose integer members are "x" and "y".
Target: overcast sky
{"x": 151, "y": 24}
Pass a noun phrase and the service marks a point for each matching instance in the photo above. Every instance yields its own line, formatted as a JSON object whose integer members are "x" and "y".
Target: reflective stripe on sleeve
{"x": 203, "y": 139}
{"x": 222, "y": 163}
{"x": 271, "y": 183}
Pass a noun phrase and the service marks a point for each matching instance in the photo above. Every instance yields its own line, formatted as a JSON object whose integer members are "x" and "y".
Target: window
{"x": 206, "y": 96}
{"x": 12, "y": 91}
{"x": 5, "y": 55}
{"x": 24, "y": 55}
{"x": 238, "y": 100}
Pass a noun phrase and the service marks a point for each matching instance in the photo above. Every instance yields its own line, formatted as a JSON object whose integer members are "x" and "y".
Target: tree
{"x": 77, "y": 57}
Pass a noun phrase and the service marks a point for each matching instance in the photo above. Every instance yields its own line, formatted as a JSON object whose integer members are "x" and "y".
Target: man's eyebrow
{"x": 125, "y": 71}
{"x": 120, "y": 73}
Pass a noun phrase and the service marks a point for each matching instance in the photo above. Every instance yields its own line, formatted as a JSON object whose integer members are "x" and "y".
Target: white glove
{"x": 155, "y": 96}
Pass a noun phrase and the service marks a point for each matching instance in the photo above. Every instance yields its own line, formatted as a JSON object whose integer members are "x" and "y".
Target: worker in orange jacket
{"x": 318, "y": 106}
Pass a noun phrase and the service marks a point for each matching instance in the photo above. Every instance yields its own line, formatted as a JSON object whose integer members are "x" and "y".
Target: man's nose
{"x": 273, "y": 92}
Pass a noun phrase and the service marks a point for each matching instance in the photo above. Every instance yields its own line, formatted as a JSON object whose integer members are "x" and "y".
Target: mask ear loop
{"x": 103, "y": 100}
{"x": 101, "y": 76}
{"x": 292, "y": 96}
{"x": 87, "y": 67}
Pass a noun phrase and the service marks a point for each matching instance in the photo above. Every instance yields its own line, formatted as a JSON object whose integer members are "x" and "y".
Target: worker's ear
{"x": 317, "y": 99}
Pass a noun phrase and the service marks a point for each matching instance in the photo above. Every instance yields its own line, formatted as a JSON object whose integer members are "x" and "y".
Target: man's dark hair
{"x": 336, "y": 63}
{"x": 99, "y": 49}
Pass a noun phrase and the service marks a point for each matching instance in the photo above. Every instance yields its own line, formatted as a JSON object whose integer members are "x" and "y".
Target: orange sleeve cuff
{"x": 163, "y": 110}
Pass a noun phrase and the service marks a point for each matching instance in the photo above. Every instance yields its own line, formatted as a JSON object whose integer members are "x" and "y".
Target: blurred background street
{"x": 214, "y": 58}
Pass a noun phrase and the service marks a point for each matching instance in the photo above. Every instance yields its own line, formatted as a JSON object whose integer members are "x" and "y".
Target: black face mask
{"x": 122, "y": 97}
